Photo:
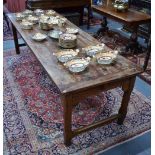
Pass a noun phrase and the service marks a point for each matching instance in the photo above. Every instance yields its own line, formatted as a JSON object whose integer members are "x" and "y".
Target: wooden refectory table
{"x": 76, "y": 87}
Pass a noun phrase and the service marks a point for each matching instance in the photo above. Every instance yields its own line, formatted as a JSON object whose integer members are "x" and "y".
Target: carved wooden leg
{"x": 103, "y": 28}
{"x": 127, "y": 88}
{"x": 15, "y": 39}
{"x": 133, "y": 43}
{"x": 67, "y": 120}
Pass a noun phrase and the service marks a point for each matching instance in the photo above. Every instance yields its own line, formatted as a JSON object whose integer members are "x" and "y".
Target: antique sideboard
{"x": 141, "y": 6}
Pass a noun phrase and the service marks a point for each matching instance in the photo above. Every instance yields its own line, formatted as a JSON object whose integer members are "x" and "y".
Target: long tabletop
{"x": 75, "y": 87}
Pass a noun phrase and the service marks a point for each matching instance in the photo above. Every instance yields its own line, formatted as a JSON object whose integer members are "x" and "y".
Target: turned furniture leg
{"x": 103, "y": 28}
{"x": 127, "y": 88}
{"x": 15, "y": 39}
{"x": 133, "y": 43}
{"x": 67, "y": 120}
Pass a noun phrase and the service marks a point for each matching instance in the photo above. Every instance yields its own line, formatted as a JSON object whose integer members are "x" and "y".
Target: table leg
{"x": 89, "y": 12}
{"x": 67, "y": 120}
{"x": 5, "y": 18}
{"x": 15, "y": 39}
{"x": 81, "y": 15}
{"x": 147, "y": 57}
{"x": 133, "y": 45}
{"x": 103, "y": 28}
{"x": 127, "y": 88}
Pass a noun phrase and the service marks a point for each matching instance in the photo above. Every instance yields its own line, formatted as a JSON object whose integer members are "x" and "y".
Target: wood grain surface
{"x": 129, "y": 17}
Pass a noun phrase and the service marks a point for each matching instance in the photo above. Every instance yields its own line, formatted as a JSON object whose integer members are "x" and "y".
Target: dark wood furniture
{"x": 5, "y": 16}
{"x": 141, "y": 6}
{"x": 148, "y": 54}
{"x": 76, "y": 87}
{"x": 62, "y": 6}
{"x": 144, "y": 29}
{"x": 131, "y": 18}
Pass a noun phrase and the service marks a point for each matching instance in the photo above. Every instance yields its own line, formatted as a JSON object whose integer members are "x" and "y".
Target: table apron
{"x": 78, "y": 96}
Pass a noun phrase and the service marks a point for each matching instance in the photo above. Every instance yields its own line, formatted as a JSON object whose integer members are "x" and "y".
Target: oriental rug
{"x": 7, "y": 32}
{"x": 93, "y": 21}
{"x": 33, "y": 122}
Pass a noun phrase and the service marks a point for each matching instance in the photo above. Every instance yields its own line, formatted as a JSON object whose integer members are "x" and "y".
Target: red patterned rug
{"x": 7, "y": 33}
{"x": 33, "y": 122}
{"x": 115, "y": 41}
{"x": 139, "y": 59}
{"x": 93, "y": 21}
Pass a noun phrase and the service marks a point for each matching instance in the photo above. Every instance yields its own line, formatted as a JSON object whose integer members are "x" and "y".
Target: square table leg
{"x": 104, "y": 28}
{"x": 89, "y": 12}
{"x": 133, "y": 44}
{"x": 67, "y": 101}
{"x": 148, "y": 54}
{"x": 15, "y": 39}
{"x": 127, "y": 88}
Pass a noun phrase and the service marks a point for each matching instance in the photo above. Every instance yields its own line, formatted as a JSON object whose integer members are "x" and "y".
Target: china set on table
{"x": 20, "y": 16}
{"x": 55, "y": 34}
{"x": 77, "y": 64}
{"x": 39, "y": 37}
{"x": 50, "y": 12}
{"x": 102, "y": 56}
{"x": 71, "y": 61}
{"x": 67, "y": 40}
{"x": 33, "y": 19}
{"x": 48, "y": 20}
{"x": 66, "y": 55}
{"x": 45, "y": 25}
{"x": 26, "y": 25}
{"x": 72, "y": 30}
{"x": 27, "y": 12}
{"x": 38, "y": 12}
{"x": 92, "y": 50}
{"x": 106, "y": 58}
